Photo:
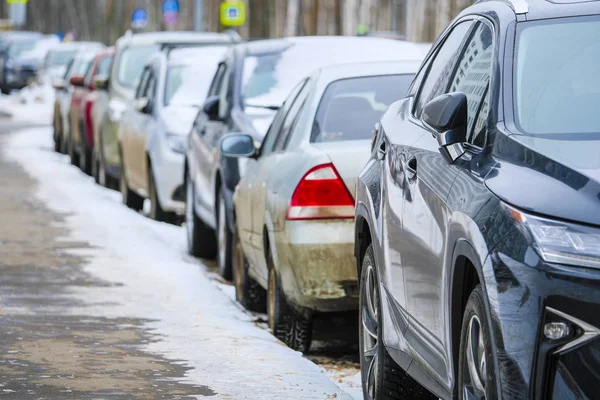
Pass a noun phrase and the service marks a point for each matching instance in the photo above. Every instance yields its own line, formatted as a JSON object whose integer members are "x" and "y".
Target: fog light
{"x": 556, "y": 330}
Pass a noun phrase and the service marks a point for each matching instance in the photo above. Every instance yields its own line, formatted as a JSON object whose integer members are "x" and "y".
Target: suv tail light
{"x": 321, "y": 194}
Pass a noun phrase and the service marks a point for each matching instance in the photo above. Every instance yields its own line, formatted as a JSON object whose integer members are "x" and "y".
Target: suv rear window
{"x": 350, "y": 108}
{"x": 557, "y": 83}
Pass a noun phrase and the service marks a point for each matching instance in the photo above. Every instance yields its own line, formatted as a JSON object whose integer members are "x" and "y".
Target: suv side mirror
{"x": 211, "y": 108}
{"x": 237, "y": 145}
{"x": 143, "y": 105}
{"x": 448, "y": 116}
{"x": 76, "y": 81}
{"x": 101, "y": 82}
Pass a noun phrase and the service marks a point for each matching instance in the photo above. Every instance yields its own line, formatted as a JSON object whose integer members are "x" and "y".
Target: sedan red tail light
{"x": 321, "y": 194}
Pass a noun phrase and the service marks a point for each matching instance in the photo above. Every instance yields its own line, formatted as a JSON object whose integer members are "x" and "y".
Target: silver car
{"x": 154, "y": 128}
{"x": 294, "y": 206}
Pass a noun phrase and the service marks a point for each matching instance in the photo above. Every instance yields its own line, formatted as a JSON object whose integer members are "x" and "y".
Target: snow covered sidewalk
{"x": 198, "y": 324}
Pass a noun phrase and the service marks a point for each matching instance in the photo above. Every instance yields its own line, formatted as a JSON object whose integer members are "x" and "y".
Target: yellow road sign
{"x": 233, "y": 13}
{"x": 17, "y": 1}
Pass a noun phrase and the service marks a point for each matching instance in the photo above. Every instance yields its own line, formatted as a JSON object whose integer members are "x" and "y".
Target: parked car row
{"x": 449, "y": 197}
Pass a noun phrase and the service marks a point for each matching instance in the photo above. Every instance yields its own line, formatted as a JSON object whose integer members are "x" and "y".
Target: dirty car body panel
{"x": 313, "y": 257}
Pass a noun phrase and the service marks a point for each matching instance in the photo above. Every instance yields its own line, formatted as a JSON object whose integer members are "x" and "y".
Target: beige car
{"x": 294, "y": 205}
{"x": 132, "y": 54}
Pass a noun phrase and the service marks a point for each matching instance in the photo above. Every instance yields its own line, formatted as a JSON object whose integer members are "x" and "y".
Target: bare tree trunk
{"x": 293, "y": 11}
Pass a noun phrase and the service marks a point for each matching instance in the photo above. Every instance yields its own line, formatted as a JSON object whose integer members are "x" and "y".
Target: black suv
{"x": 478, "y": 214}
{"x": 250, "y": 84}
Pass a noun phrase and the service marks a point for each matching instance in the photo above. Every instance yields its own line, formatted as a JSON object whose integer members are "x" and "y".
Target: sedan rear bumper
{"x": 316, "y": 264}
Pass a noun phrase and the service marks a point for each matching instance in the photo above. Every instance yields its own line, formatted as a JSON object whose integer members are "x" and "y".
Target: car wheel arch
{"x": 466, "y": 273}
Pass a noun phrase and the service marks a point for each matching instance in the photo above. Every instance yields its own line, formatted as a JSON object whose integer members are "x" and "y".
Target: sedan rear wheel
{"x": 287, "y": 324}
{"x": 382, "y": 378}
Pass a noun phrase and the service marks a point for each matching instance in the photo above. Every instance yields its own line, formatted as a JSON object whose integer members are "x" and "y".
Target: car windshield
{"x": 58, "y": 58}
{"x": 18, "y": 48}
{"x": 557, "y": 84}
{"x": 188, "y": 84}
{"x": 131, "y": 63}
{"x": 350, "y": 108}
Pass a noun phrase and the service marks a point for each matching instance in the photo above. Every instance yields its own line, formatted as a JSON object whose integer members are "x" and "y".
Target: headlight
{"x": 562, "y": 242}
{"x": 177, "y": 143}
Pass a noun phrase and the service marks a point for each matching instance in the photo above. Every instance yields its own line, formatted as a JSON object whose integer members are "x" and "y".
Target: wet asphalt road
{"x": 46, "y": 352}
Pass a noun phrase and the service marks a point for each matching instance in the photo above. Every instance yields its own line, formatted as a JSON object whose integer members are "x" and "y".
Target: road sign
{"x": 139, "y": 18}
{"x": 17, "y": 13}
{"x": 170, "y": 9}
{"x": 17, "y": 1}
{"x": 233, "y": 13}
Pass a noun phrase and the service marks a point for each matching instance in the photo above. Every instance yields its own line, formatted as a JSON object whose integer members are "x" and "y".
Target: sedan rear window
{"x": 350, "y": 108}
{"x": 557, "y": 85}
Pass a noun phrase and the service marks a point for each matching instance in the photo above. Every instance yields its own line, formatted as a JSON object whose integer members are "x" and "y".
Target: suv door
{"x": 417, "y": 181}
{"x": 205, "y": 142}
{"x": 143, "y": 124}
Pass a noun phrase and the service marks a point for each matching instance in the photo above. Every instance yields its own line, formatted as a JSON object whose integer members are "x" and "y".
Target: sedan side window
{"x": 441, "y": 69}
{"x": 472, "y": 77}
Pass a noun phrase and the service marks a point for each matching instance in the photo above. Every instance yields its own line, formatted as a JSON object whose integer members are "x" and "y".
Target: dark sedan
{"x": 478, "y": 214}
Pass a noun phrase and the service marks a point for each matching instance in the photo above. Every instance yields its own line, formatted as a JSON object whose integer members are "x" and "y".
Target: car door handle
{"x": 411, "y": 168}
{"x": 381, "y": 150}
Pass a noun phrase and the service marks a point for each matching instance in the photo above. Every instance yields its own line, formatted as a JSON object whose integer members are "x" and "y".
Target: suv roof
{"x": 177, "y": 37}
{"x": 545, "y": 9}
{"x": 413, "y": 50}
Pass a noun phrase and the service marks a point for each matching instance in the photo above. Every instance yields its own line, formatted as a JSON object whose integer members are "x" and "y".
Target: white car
{"x": 154, "y": 128}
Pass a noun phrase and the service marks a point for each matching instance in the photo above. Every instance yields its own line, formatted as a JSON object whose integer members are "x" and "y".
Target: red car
{"x": 82, "y": 101}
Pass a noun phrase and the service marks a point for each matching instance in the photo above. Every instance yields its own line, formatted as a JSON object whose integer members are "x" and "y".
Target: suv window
{"x": 142, "y": 86}
{"x": 150, "y": 91}
{"x": 440, "y": 71}
{"x": 215, "y": 86}
{"x": 273, "y": 132}
{"x": 472, "y": 77}
{"x": 290, "y": 119}
{"x": 104, "y": 66}
{"x": 225, "y": 92}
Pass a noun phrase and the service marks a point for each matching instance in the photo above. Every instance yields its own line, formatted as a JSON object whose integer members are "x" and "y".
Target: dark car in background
{"x": 250, "y": 84}
{"x": 8, "y": 39}
{"x": 477, "y": 231}
{"x": 21, "y": 59}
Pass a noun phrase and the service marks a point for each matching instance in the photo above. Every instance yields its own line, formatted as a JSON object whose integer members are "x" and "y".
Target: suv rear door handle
{"x": 381, "y": 150}
{"x": 411, "y": 168}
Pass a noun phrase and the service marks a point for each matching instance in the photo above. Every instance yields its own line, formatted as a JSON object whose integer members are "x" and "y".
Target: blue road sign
{"x": 139, "y": 18}
{"x": 170, "y": 6}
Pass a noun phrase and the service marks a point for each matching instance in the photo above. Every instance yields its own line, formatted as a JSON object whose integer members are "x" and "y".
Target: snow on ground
{"x": 32, "y": 104}
{"x": 196, "y": 317}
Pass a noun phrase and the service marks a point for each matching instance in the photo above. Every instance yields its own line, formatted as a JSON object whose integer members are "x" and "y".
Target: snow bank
{"x": 198, "y": 323}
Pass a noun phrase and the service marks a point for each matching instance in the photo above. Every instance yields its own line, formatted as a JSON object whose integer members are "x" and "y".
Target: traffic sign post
{"x": 233, "y": 13}
{"x": 139, "y": 19}
{"x": 17, "y": 12}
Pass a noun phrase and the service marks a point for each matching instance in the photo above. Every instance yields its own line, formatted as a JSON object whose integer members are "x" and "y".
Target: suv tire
{"x": 382, "y": 378}
{"x": 201, "y": 239}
